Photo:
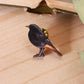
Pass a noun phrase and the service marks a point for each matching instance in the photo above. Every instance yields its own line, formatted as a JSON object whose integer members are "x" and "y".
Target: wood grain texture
{"x": 17, "y": 65}
{"x": 70, "y": 1}
{"x": 61, "y": 5}
{"x": 25, "y": 3}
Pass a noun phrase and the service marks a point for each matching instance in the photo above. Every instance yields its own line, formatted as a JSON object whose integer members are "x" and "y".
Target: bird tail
{"x": 50, "y": 46}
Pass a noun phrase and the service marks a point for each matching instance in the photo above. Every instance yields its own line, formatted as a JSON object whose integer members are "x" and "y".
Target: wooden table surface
{"x": 17, "y": 65}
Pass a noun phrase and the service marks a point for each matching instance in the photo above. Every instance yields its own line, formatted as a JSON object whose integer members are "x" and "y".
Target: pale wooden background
{"x": 60, "y": 4}
{"x": 17, "y": 65}
{"x": 28, "y": 3}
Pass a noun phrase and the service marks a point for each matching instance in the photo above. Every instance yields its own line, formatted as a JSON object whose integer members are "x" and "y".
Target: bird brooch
{"x": 39, "y": 38}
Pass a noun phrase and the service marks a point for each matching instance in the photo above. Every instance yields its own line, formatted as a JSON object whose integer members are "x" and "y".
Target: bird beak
{"x": 27, "y": 26}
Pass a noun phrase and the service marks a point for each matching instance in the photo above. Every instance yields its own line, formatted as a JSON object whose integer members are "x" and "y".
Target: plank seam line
{"x": 53, "y": 69}
{"x": 8, "y": 16}
{"x": 69, "y": 78}
{"x": 71, "y": 41}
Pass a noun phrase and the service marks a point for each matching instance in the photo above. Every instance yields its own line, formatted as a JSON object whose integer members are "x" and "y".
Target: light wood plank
{"x": 17, "y": 65}
{"x": 60, "y": 75}
{"x": 61, "y": 5}
{"x": 24, "y": 3}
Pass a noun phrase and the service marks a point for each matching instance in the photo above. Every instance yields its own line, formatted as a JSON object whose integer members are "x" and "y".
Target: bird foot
{"x": 37, "y": 55}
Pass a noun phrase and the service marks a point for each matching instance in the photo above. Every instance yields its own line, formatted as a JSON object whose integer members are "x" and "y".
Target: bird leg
{"x": 40, "y": 53}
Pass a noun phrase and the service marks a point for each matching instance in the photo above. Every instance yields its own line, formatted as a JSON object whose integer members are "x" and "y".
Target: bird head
{"x": 32, "y": 26}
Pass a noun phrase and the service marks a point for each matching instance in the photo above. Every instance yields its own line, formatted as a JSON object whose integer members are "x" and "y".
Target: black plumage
{"x": 39, "y": 38}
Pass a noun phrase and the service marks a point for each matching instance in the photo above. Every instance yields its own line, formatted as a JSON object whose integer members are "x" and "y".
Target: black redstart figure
{"x": 39, "y": 38}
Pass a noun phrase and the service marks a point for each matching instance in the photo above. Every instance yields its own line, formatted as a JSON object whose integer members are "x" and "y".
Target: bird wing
{"x": 47, "y": 41}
